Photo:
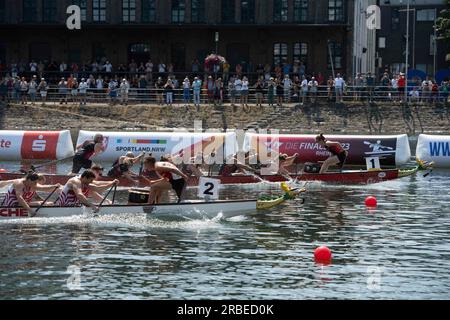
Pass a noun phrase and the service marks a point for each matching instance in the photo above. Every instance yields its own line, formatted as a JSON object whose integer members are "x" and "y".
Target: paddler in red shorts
{"x": 338, "y": 154}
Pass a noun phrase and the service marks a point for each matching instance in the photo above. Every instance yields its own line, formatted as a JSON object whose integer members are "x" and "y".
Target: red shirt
{"x": 401, "y": 82}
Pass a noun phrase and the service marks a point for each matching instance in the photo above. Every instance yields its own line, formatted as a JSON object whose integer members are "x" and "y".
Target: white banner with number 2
{"x": 373, "y": 163}
{"x": 209, "y": 188}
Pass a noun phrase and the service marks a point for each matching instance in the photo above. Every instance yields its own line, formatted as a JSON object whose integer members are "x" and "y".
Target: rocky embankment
{"x": 348, "y": 118}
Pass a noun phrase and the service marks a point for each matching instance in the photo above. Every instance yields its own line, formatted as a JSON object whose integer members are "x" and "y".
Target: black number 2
{"x": 210, "y": 188}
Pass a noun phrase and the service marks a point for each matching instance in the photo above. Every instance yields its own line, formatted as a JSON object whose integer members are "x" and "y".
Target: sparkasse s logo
{"x": 39, "y": 144}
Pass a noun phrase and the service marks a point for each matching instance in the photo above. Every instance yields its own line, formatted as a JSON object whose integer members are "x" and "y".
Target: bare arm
{"x": 48, "y": 188}
{"x": 97, "y": 188}
{"x": 19, "y": 196}
{"x": 98, "y": 149}
{"x": 81, "y": 197}
{"x": 6, "y": 183}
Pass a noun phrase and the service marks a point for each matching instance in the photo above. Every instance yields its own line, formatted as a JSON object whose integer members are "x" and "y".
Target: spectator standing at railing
{"x": 210, "y": 89}
{"x": 434, "y": 91}
{"x": 278, "y": 72}
{"x": 132, "y": 68}
{"x": 197, "y": 89}
{"x": 73, "y": 86}
{"x": 149, "y": 70}
{"x": 339, "y": 85}
{"x": 108, "y": 67}
{"x": 370, "y": 84}
{"x": 94, "y": 67}
{"x": 75, "y": 69}
{"x": 232, "y": 91}
{"x": 33, "y": 66}
{"x": 43, "y": 88}
{"x": 394, "y": 87}
{"x": 159, "y": 86}
{"x": 124, "y": 90}
{"x": 99, "y": 84}
{"x": 226, "y": 72}
{"x": 385, "y": 84}
{"x": 313, "y": 86}
{"x": 112, "y": 88}
{"x": 296, "y": 89}
{"x": 304, "y": 90}
{"x": 320, "y": 79}
{"x": 23, "y": 90}
{"x": 244, "y": 93}
{"x": 239, "y": 70}
{"x": 238, "y": 88}
{"x": 32, "y": 88}
{"x": 63, "y": 67}
{"x": 62, "y": 91}
{"x": 426, "y": 89}
{"x": 218, "y": 92}
{"x": 14, "y": 70}
{"x": 186, "y": 92}
{"x": 142, "y": 85}
{"x": 279, "y": 92}
{"x": 286, "y": 68}
{"x": 287, "y": 86}
{"x": 195, "y": 67}
{"x": 401, "y": 86}
{"x": 359, "y": 86}
{"x": 271, "y": 88}
{"x": 169, "y": 88}
{"x": 259, "y": 89}
{"x": 267, "y": 72}
{"x": 83, "y": 87}
{"x": 161, "y": 69}
{"x": 444, "y": 90}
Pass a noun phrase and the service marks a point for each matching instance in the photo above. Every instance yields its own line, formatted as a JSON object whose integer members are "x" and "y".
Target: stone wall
{"x": 349, "y": 118}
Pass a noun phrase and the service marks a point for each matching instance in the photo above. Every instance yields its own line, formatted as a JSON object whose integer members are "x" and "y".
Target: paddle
{"x": 114, "y": 194}
{"x": 104, "y": 199}
{"x": 43, "y": 202}
{"x": 34, "y": 168}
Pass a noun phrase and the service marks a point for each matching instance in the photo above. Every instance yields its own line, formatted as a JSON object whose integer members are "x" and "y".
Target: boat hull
{"x": 193, "y": 209}
{"x": 345, "y": 177}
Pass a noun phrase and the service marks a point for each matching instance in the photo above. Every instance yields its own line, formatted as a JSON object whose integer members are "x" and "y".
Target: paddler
{"x": 233, "y": 165}
{"x": 85, "y": 152}
{"x": 21, "y": 192}
{"x": 78, "y": 189}
{"x": 285, "y": 162}
{"x": 163, "y": 176}
{"x": 121, "y": 167}
{"x": 338, "y": 153}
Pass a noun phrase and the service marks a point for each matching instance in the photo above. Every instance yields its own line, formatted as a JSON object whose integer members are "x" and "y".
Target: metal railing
{"x": 159, "y": 96}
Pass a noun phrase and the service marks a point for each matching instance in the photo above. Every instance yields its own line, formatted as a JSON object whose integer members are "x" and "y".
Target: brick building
{"x": 179, "y": 31}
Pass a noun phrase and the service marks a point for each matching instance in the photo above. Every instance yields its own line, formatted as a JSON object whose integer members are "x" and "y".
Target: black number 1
{"x": 209, "y": 190}
{"x": 373, "y": 163}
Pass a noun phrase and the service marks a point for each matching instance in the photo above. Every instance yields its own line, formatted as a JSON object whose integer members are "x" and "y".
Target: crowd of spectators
{"x": 150, "y": 83}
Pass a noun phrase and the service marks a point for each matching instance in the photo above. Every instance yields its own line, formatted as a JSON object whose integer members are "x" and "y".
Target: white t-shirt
{"x": 108, "y": 67}
{"x": 186, "y": 84}
{"x": 394, "y": 83}
{"x": 99, "y": 84}
{"x": 287, "y": 83}
{"x": 238, "y": 84}
{"x": 339, "y": 83}
{"x": 83, "y": 87}
{"x": 162, "y": 68}
{"x": 244, "y": 85}
{"x": 313, "y": 84}
{"x": 305, "y": 85}
{"x": 149, "y": 67}
{"x": 33, "y": 67}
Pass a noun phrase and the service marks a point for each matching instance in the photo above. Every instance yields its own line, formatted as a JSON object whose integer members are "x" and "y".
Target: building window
{"x": 29, "y": 11}
{"x": 129, "y": 10}
{"x": 280, "y": 11}
{"x": 395, "y": 19}
{"x": 228, "y": 11}
{"x": 2, "y": 11}
{"x": 336, "y": 10}
{"x": 280, "y": 53}
{"x": 83, "y": 7}
{"x": 49, "y": 10}
{"x": 198, "y": 11}
{"x": 335, "y": 50}
{"x": 248, "y": 11}
{"x": 148, "y": 10}
{"x": 99, "y": 10}
{"x": 301, "y": 10}
{"x": 426, "y": 15}
{"x": 300, "y": 52}
{"x": 178, "y": 10}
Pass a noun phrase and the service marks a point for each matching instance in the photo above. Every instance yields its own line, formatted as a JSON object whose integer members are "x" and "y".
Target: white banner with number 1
{"x": 209, "y": 188}
{"x": 373, "y": 163}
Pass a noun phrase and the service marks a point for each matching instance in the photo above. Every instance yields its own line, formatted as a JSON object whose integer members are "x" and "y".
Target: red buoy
{"x": 2, "y": 170}
{"x": 371, "y": 202}
{"x": 322, "y": 254}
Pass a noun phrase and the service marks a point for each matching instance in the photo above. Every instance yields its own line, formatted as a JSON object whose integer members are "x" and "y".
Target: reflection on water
{"x": 400, "y": 250}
